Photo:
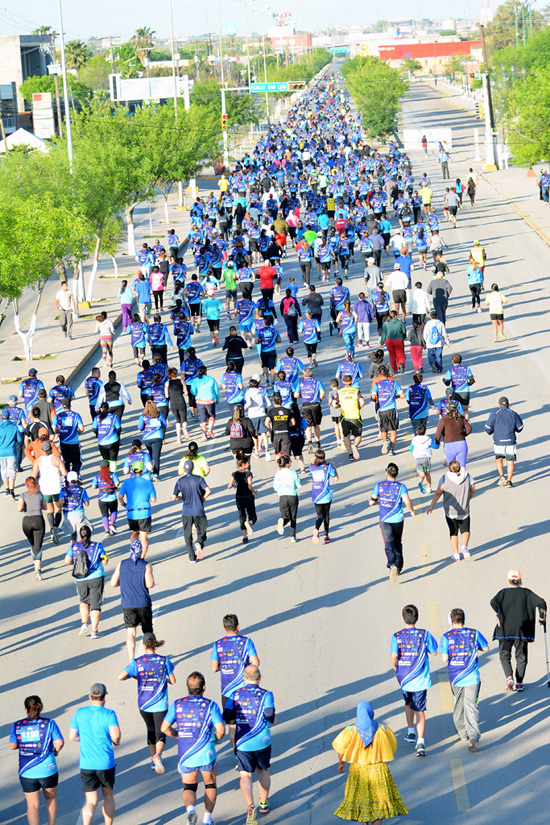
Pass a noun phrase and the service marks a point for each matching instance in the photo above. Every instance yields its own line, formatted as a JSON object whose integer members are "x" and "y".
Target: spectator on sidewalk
{"x": 66, "y": 306}
{"x": 10, "y": 436}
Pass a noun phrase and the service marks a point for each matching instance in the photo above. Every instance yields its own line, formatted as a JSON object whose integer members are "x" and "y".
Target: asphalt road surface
{"x": 322, "y": 617}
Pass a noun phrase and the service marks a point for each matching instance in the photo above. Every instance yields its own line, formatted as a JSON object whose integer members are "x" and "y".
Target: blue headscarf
{"x": 365, "y": 722}
{"x": 135, "y": 550}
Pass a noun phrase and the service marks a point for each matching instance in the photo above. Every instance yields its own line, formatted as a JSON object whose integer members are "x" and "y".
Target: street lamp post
{"x": 65, "y": 88}
{"x": 222, "y": 78}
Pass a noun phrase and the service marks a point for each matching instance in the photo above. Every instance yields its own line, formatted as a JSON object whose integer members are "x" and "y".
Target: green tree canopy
{"x": 529, "y": 118}
{"x": 377, "y": 90}
{"x": 46, "y": 83}
{"x": 77, "y": 55}
{"x": 501, "y": 31}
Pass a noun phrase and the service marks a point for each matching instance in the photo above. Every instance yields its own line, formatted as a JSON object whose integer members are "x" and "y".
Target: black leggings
{"x": 154, "y": 446}
{"x": 109, "y": 452}
{"x": 34, "y": 528}
{"x": 247, "y": 510}
{"x": 288, "y": 505}
{"x": 158, "y": 295}
{"x": 153, "y": 720}
{"x": 323, "y": 516}
{"x": 475, "y": 289}
{"x": 305, "y": 266}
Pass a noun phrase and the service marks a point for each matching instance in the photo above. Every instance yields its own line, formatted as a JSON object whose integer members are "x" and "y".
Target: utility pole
{"x": 56, "y": 86}
{"x": 490, "y": 134}
{"x": 111, "y": 54}
{"x": 65, "y": 88}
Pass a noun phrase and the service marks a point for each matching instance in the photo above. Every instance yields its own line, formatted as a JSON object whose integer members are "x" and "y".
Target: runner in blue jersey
{"x": 250, "y": 712}
{"x": 196, "y": 722}
{"x": 107, "y": 428}
{"x": 419, "y": 399}
{"x": 459, "y": 650}
{"x": 94, "y": 390}
{"x": 28, "y": 390}
{"x": 292, "y": 367}
{"x": 350, "y": 367}
{"x": 338, "y": 295}
{"x": 312, "y": 392}
{"x": 460, "y": 378}
{"x": 267, "y": 338}
{"x": 193, "y": 293}
{"x": 310, "y": 328}
{"x": 443, "y": 405}
{"x": 384, "y": 392}
{"x": 390, "y": 495}
{"x": 231, "y": 655}
{"x": 68, "y": 424}
{"x": 59, "y": 391}
{"x": 73, "y": 499}
{"x": 183, "y": 330}
{"x": 245, "y": 309}
{"x": 410, "y": 650}
{"x": 232, "y": 382}
{"x": 38, "y": 740}
{"x": 321, "y": 472}
{"x": 89, "y": 587}
{"x": 347, "y": 321}
{"x": 153, "y": 673}
{"x": 139, "y": 338}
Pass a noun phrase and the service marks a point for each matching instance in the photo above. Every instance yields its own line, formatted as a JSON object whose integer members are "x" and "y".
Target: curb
{"x": 529, "y": 221}
{"x": 93, "y": 349}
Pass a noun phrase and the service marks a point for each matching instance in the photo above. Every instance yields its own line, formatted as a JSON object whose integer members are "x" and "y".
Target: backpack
{"x": 236, "y": 430}
{"x": 292, "y": 311}
{"x": 435, "y": 335}
{"x": 81, "y": 566}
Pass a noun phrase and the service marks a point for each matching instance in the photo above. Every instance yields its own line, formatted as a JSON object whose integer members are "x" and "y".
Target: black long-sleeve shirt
{"x": 516, "y": 610}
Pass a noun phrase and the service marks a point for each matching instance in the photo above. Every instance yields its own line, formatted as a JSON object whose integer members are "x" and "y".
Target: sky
{"x": 83, "y": 19}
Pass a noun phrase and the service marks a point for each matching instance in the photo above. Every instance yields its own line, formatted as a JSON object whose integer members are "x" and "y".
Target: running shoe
{"x": 38, "y": 576}
{"x": 263, "y": 807}
{"x": 251, "y": 815}
{"x": 503, "y": 336}
{"x": 393, "y": 574}
{"x": 267, "y": 455}
{"x": 341, "y": 446}
{"x": 113, "y": 529}
{"x": 410, "y": 737}
{"x": 465, "y": 552}
{"x": 199, "y": 551}
{"x": 293, "y": 540}
{"x": 519, "y": 686}
{"x": 159, "y": 767}
{"x": 509, "y": 483}
{"x": 350, "y": 456}
{"x": 54, "y": 533}
{"x": 472, "y": 747}
{"x": 355, "y": 454}
{"x": 244, "y": 540}
{"x": 192, "y": 818}
{"x": 421, "y": 749}
{"x": 421, "y": 487}
{"x": 83, "y": 630}
{"x": 456, "y": 557}
{"x": 280, "y": 526}
{"x": 95, "y": 634}
{"x": 248, "y": 528}
{"x": 327, "y": 540}
{"x": 310, "y": 447}
{"x": 315, "y": 536}
{"x": 385, "y": 447}
{"x": 501, "y": 482}
{"x": 509, "y": 683}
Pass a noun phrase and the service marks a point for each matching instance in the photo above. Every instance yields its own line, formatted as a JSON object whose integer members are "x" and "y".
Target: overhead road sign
{"x": 290, "y": 86}
{"x": 339, "y": 49}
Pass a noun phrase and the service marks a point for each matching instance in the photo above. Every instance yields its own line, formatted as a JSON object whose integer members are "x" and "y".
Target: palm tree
{"x": 77, "y": 55}
{"x": 43, "y": 31}
{"x": 143, "y": 41}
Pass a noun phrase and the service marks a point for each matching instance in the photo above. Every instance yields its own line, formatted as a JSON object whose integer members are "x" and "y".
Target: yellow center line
{"x": 425, "y": 557}
{"x": 459, "y": 784}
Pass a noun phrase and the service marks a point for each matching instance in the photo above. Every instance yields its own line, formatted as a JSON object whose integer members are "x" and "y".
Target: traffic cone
{"x": 531, "y": 173}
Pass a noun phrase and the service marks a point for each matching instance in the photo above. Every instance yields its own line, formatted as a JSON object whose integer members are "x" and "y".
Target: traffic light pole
{"x": 490, "y": 134}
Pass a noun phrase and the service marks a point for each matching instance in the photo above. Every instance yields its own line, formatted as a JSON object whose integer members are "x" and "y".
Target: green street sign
{"x": 269, "y": 87}
{"x": 339, "y": 49}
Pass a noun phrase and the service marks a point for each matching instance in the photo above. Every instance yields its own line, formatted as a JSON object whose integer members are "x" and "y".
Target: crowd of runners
{"x": 358, "y": 220}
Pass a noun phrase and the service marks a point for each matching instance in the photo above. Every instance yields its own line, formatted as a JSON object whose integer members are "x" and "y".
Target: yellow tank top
{"x": 349, "y": 403}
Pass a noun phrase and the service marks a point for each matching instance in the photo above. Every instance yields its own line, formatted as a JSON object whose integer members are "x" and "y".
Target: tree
{"x": 77, "y": 55}
{"x": 143, "y": 42}
{"x": 501, "y": 31}
{"x": 409, "y": 64}
{"x": 46, "y": 83}
{"x": 529, "y": 118}
{"x": 43, "y": 31}
{"x": 377, "y": 90}
{"x": 95, "y": 73}
{"x": 241, "y": 108}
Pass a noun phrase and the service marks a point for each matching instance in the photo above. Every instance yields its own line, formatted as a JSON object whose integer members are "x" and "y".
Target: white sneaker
{"x": 267, "y": 455}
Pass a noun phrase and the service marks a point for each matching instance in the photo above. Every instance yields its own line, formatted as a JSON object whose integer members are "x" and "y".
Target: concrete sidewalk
{"x": 513, "y": 183}
{"x": 54, "y": 354}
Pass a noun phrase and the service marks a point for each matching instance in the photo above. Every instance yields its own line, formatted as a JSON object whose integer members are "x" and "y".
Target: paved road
{"x": 321, "y": 617}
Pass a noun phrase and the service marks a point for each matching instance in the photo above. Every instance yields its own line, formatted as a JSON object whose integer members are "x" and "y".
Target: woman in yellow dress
{"x": 371, "y": 793}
